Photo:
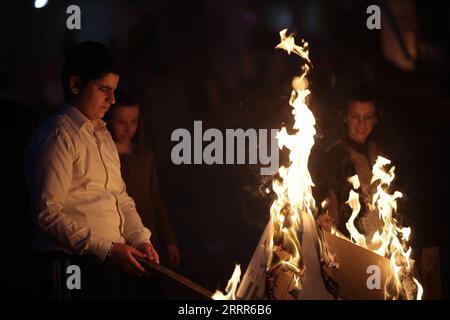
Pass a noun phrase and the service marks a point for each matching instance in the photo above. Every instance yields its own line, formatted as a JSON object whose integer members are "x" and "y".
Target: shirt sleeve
{"x": 134, "y": 230}
{"x": 50, "y": 176}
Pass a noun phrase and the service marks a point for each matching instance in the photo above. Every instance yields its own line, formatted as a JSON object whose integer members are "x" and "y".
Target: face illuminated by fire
{"x": 361, "y": 119}
{"x": 94, "y": 98}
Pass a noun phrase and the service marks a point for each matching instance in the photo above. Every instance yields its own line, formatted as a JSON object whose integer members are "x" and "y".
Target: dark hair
{"x": 361, "y": 93}
{"x": 125, "y": 98}
{"x": 88, "y": 60}
{"x": 122, "y": 98}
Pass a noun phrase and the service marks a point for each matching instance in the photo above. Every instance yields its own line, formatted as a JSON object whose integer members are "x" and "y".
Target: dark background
{"x": 215, "y": 61}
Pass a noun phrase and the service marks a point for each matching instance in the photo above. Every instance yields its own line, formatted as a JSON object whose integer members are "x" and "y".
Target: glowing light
{"x": 231, "y": 287}
{"x": 40, "y": 3}
{"x": 293, "y": 184}
{"x": 392, "y": 241}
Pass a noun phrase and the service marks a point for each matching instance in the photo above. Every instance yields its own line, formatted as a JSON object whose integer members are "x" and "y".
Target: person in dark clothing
{"x": 138, "y": 168}
{"x": 354, "y": 154}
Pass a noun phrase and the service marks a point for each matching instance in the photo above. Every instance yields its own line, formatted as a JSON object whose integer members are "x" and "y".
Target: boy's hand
{"x": 326, "y": 221}
{"x": 124, "y": 257}
{"x": 149, "y": 252}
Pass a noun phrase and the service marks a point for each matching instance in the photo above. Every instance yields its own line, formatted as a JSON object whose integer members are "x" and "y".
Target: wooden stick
{"x": 167, "y": 273}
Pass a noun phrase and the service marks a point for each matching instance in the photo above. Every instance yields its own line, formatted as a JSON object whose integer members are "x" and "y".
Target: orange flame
{"x": 387, "y": 243}
{"x": 231, "y": 286}
{"x": 293, "y": 187}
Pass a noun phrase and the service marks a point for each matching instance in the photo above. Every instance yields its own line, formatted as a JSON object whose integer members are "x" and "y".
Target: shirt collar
{"x": 357, "y": 146}
{"x": 81, "y": 120}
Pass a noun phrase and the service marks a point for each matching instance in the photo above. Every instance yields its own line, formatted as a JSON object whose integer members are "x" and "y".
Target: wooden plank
{"x": 169, "y": 274}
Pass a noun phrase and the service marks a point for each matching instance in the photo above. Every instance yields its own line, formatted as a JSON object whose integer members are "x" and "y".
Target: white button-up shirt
{"x": 78, "y": 198}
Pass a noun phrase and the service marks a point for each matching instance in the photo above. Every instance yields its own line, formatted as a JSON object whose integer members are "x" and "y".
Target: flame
{"x": 231, "y": 286}
{"x": 288, "y": 43}
{"x": 293, "y": 187}
{"x": 354, "y": 181}
{"x": 335, "y": 232}
{"x": 353, "y": 202}
{"x": 392, "y": 241}
{"x": 419, "y": 289}
{"x": 294, "y": 197}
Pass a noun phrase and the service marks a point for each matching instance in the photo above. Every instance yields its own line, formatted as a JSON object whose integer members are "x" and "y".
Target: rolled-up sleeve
{"x": 50, "y": 181}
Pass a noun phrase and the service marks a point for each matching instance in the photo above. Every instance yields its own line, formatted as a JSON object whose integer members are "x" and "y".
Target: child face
{"x": 124, "y": 123}
{"x": 361, "y": 120}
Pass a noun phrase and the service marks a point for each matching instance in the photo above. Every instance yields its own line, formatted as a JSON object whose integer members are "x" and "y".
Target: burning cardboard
{"x": 360, "y": 274}
{"x": 281, "y": 283}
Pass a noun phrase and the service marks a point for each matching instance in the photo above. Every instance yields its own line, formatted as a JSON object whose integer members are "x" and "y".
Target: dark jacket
{"x": 139, "y": 173}
{"x": 344, "y": 159}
